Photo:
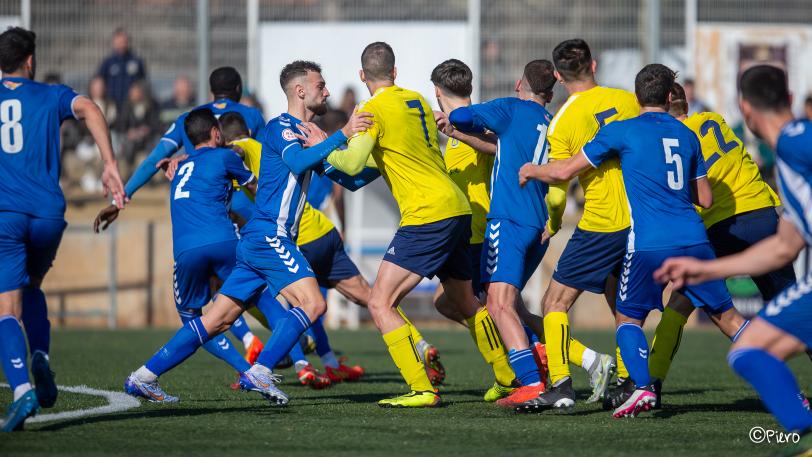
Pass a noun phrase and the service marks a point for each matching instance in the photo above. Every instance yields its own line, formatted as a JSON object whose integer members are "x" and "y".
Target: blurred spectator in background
{"x": 138, "y": 124}
{"x": 183, "y": 100}
{"x": 808, "y": 107}
{"x": 249, "y": 99}
{"x": 348, "y": 101}
{"x": 695, "y": 105}
{"x": 97, "y": 91}
{"x": 121, "y": 68}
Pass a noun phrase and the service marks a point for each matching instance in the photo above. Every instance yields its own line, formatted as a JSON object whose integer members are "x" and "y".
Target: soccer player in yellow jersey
{"x": 743, "y": 213}
{"x": 435, "y": 223}
{"x": 595, "y": 252}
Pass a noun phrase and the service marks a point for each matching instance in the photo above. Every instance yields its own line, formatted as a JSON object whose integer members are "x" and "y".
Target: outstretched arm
{"x": 559, "y": 171}
{"x": 763, "y": 257}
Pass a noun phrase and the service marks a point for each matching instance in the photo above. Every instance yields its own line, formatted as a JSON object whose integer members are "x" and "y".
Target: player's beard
{"x": 320, "y": 109}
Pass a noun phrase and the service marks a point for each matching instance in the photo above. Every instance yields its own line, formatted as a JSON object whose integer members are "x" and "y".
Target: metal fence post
{"x": 252, "y": 37}
{"x": 474, "y": 40}
{"x": 203, "y": 48}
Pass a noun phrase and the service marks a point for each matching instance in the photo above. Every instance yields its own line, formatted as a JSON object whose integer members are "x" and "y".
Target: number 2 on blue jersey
{"x": 724, "y": 147}
{"x": 11, "y": 131}
{"x": 185, "y": 173}
{"x": 675, "y": 178}
{"x": 415, "y": 104}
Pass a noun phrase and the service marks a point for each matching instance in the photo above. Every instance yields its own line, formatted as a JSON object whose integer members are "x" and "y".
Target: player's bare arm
{"x": 484, "y": 143}
{"x": 768, "y": 255}
{"x": 555, "y": 172}
{"x": 701, "y": 192}
{"x": 87, "y": 111}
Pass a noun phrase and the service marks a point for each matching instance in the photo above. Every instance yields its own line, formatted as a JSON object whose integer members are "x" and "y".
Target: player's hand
{"x": 106, "y": 215}
{"x": 170, "y": 165}
{"x": 112, "y": 184}
{"x": 526, "y": 173}
{"x": 442, "y": 123}
{"x": 238, "y": 150}
{"x": 359, "y": 122}
{"x": 545, "y": 235}
{"x": 681, "y": 271}
{"x": 311, "y": 134}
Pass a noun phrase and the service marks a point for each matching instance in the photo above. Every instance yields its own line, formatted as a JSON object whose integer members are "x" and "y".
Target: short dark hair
{"x": 808, "y": 100}
{"x": 653, "y": 84}
{"x": 454, "y": 76}
{"x": 226, "y": 82}
{"x": 573, "y": 59}
{"x": 765, "y": 87}
{"x": 16, "y": 44}
{"x": 198, "y": 125}
{"x": 539, "y": 74}
{"x": 296, "y": 69}
{"x": 332, "y": 120}
{"x": 378, "y": 61}
{"x": 233, "y": 126}
{"x": 679, "y": 102}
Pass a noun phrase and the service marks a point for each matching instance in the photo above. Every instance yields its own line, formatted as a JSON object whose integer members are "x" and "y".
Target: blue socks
{"x": 275, "y": 312}
{"x": 35, "y": 320}
{"x": 222, "y": 348}
{"x": 524, "y": 366}
{"x": 320, "y": 335}
{"x": 285, "y": 336}
{"x": 775, "y": 384}
{"x": 185, "y": 342}
{"x": 14, "y": 353}
{"x": 531, "y": 337}
{"x": 634, "y": 349}
{"x": 240, "y": 328}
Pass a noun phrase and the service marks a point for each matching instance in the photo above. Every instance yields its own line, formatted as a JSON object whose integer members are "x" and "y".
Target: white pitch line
{"x": 116, "y": 402}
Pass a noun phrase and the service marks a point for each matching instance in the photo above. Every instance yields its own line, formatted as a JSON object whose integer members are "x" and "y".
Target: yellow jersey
{"x": 407, "y": 154}
{"x": 574, "y": 125}
{"x": 471, "y": 172}
{"x": 314, "y": 224}
{"x": 734, "y": 177}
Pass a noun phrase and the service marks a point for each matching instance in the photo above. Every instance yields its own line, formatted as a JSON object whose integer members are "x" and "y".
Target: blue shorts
{"x": 791, "y": 311}
{"x": 329, "y": 260}
{"x": 28, "y": 247}
{"x": 638, "y": 293}
{"x": 737, "y": 233}
{"x": 437, "y": 249}
{"x": 589, "y": 258}
{"x": 264, "y": 260}
{"x": 194, "y": 269}
{"x": 512, "y": 253}
{"x": 476, "y": 255}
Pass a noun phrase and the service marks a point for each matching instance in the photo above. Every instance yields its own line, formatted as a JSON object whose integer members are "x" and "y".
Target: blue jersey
{"x": 199, "y": 196}
{"x": 659, "y": 156}
{"x": 175, "y": 138}
{"x": 30, "y": 116}
{"x": 521, "y": 126}
{"x": 176, "y": 135}
{"x": 321, "y": 187}
{"x": 284, "y": 175}
{"x": 793, "y": 152}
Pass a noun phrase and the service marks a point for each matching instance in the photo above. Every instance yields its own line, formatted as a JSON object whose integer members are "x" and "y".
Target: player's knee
{"x": 314, "y": 307}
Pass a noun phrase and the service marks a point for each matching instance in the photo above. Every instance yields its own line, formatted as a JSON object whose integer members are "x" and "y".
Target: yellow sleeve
{"x": 353, "y": 159}
{"x": 556, "y": 200}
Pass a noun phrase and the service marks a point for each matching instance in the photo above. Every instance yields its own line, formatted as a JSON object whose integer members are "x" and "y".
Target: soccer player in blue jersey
{"x": 32, "y": 209}
{"x": 204, "y": 241}
{"x": 517, "y": 215}
{"x": 267, "y": 255}
{"x": 784, "y": 327}
{"x": 664, "y": 175}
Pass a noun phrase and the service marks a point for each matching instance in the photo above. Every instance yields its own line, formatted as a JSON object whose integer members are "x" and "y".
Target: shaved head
{"x": 378, "y": 62}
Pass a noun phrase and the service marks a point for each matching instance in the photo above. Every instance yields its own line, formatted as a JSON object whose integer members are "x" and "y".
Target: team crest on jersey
{"x": 220, "y": 105}
{"x": 11, "y": 85}
{"x": 455, "y": 142}
{"x": 288, "y": 135}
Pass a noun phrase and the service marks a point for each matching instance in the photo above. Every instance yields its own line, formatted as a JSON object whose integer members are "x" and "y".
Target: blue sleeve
{"x": 64, "y": 99}
{"x": 174, "y": 134}
{"x": 697, "y": 169}
{"x": 495, "y": 115}
{"x": 351, "y": 183}
{"x": 147, "y": 169}
{"x": 606, "y": 144}
{"x": 299, "y": 159}
{"x": 236, "y": 168}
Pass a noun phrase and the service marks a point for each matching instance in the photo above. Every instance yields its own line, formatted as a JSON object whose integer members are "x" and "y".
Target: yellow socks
{"x": 666, "y": 343}
{"x": 489, "y": 343}
{"x": 622, "y": 372}
{"x": 404, "y": 354}
{"x": 557, "y": 335}
{"x": 416, "y": 336}
{"x": 576, "y": 352}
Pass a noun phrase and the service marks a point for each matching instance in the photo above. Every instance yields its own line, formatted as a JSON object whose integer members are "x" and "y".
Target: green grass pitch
{"x": 708, "y": 410}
